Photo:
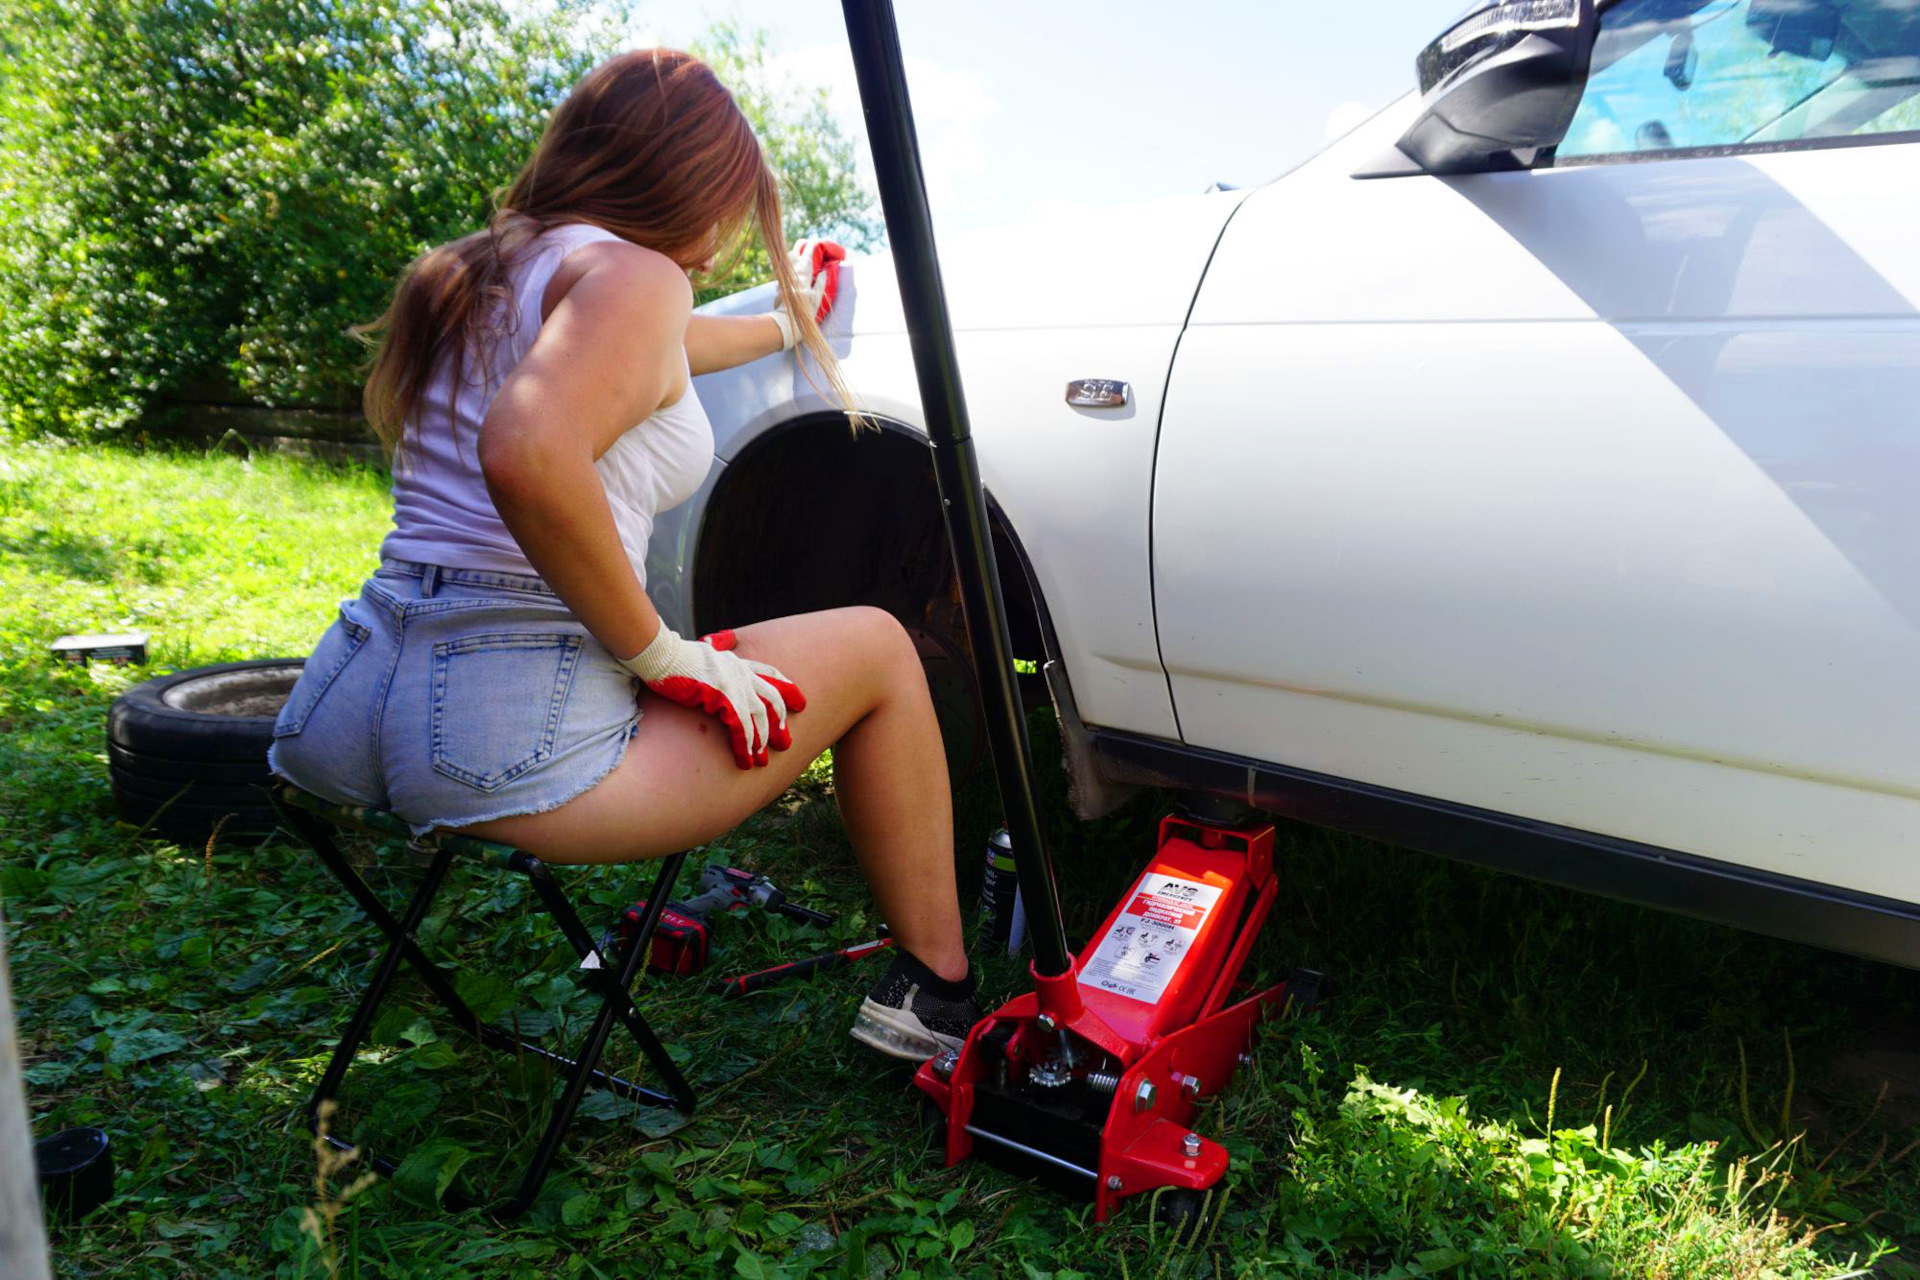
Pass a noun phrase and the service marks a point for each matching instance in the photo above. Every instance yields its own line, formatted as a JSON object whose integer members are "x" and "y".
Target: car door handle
{"x": 1098, "y": 393}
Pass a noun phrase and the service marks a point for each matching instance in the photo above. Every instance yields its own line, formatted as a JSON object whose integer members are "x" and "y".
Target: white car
{"x": 1532, "y": 477}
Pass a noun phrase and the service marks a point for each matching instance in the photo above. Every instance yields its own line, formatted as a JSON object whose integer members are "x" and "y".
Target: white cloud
{"x": 948, "y": 104}
{"x": 821, "y": 66}
{"x": 1345, "y": 117}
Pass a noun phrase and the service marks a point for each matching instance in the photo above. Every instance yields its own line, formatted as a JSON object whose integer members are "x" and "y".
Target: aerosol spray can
{"x": 1002, "y": 909}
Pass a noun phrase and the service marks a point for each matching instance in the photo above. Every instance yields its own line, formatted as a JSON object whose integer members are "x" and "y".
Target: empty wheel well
{"x": 808, "y": 517}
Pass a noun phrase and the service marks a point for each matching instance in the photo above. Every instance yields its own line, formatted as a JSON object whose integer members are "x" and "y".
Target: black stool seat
{"x": 315, "y": 819}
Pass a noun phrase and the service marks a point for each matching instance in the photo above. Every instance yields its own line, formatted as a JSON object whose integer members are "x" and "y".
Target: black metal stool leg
{"x": 613, "y": 988}
{"x": 563, "y": 1110}
{"x": 316, "y": 834}
{"x": 617, "y": 987}
{"x": 400, "y": 940}
{"x": 616, "y": 1000}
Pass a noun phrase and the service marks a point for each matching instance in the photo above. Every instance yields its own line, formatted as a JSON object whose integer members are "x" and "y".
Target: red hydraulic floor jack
{"x": 1090, "y": 1081}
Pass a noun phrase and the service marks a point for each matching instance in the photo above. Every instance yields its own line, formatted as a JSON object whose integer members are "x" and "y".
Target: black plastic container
{"x": 76, "y": 1171}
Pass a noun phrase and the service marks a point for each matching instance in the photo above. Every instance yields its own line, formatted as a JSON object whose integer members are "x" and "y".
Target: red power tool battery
{"x": 679, "y": 941}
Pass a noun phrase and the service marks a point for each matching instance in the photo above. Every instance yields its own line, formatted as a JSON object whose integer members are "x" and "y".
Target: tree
{"x": 195, "y": 188}
{"x": 821, "y": 196}
{"x": 217, "y": 189}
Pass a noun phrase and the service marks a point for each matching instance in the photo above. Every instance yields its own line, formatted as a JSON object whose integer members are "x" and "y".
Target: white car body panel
{"x": 1589, "y": 496}
{"x": 1585, "y": 495}
{"x": 1051, "y": 305}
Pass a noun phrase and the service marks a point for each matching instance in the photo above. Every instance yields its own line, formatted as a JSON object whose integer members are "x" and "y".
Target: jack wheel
{"x": 933, "y": 1122}
{"x": 1306, "y": 988}
{"x": 1178, "y": 1211}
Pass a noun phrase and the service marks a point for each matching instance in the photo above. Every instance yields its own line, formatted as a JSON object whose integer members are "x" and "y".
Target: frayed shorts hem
{"x": 423, "y": 829}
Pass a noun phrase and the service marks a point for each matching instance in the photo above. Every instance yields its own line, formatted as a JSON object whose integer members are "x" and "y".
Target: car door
{"x": 1588, "y": 493}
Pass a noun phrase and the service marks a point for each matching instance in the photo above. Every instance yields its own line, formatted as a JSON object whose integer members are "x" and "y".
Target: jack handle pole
{"x": 875, "y": 41}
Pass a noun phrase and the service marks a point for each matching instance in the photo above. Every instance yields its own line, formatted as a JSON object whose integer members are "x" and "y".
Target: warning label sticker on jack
{"x": 1146, "y": 945}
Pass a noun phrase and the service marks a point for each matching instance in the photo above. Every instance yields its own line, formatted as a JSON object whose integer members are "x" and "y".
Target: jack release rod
{"x": 875, "y": 40}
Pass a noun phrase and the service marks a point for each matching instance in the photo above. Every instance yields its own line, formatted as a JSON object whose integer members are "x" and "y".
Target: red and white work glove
{"x": 751, "y": 699}
{"x": 816, "y": 265}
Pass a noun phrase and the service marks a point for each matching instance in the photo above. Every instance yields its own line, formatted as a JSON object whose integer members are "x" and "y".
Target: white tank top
{"x": 442, "y": 513}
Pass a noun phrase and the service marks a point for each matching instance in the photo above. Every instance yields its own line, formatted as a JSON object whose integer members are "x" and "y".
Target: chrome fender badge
{"x": 1098, "y": 393}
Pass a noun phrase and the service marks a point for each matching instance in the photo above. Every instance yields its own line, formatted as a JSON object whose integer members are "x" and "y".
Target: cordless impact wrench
{"x": 681, "y": 939}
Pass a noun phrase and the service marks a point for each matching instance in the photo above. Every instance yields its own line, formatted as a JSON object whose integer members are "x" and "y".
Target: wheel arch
{"x": 808, "y": 517}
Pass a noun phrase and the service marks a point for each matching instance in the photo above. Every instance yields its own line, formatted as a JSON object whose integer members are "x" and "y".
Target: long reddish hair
{"x": 650, "y": 146}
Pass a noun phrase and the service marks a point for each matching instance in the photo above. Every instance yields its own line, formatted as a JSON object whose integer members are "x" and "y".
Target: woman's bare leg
{"x": 678, "y": 785}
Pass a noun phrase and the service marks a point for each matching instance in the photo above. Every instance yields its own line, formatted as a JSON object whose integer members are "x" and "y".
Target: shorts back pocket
{"x": 340, "y": 642}
{"x": 497, "y": 702}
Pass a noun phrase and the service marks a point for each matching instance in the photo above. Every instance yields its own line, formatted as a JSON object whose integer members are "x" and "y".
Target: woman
{"x": 504, "y": 674}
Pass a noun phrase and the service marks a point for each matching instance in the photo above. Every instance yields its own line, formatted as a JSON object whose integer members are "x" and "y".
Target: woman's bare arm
{"x": 721, "y": 342}
{"x": 606, "y": 358}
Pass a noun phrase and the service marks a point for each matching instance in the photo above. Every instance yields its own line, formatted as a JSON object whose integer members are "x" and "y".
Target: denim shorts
{"x": 455, "y": 696}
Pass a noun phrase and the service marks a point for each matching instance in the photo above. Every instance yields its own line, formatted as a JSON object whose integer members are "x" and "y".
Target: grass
{"x": 1511, "y": 1080}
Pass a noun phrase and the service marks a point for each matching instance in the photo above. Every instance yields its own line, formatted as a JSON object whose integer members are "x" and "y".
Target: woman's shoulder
{"x": 568, "y": 237}
{"x": 610, "y": 252}
{"x": 626, "y": 270}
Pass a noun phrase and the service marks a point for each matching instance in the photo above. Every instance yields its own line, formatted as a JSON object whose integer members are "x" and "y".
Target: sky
{"x": 1048, "y": 107}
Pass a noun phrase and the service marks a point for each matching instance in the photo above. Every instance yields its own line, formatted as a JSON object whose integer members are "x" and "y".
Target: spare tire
{"x": 189, "y": 749}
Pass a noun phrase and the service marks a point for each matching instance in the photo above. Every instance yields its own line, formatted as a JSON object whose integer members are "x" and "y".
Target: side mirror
{"x": 1500, "y": 84}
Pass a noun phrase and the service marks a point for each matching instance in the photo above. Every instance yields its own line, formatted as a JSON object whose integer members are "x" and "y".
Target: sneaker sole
{"x": 898, "y": 1034}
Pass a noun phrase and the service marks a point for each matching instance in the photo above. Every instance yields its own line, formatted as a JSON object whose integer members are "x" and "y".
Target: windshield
{"x": 1680, "y": 73}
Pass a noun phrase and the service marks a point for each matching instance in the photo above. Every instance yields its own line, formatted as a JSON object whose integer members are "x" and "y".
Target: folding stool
{"x": 611, "y": 977}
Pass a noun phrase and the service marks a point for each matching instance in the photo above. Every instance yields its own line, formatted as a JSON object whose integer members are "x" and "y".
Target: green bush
{"x": 214, "y": 190}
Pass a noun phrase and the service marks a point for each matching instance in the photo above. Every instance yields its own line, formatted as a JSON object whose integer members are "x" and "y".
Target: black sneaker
{"x": 914, "y": 1013}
